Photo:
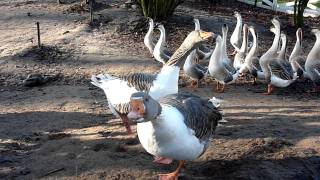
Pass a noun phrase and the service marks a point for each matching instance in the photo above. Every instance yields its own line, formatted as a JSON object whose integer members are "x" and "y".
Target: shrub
{"x": 159, "y": 9}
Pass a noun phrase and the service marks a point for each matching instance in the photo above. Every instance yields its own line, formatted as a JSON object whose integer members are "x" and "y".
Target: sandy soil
{"x": 63, "y": 129}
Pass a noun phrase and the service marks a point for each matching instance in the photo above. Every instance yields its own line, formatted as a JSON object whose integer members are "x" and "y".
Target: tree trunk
{"x": 299, "y": 7}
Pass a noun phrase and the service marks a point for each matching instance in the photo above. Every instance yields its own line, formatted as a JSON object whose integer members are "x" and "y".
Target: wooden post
{"x": 91, "y": 11}
{"x": 38, "y": 31}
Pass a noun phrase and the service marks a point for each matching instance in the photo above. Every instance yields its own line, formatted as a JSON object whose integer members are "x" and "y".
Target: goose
{"x": 312, "y": 65}
{"x": 296, "y": 58}
{"x": 119, "y": 89}
{"x": 160, "y": 53}
{"x": 235, "y": 38}
{"x": 149, "y": 40}
{"x": 193, "y": 70}
{"x": 225, "y": 59}
{"x": 178, "y": 126}
{"x": 203, "y": 52}
{"x": 240, "y": 56}
{"x": 277, "y": 71}
{"x": 218, "y": 70}
{"x": 251, "y": 62}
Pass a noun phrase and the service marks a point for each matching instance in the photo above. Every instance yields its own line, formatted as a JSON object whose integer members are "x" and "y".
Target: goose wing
{"x": 256, "y": 63}
{"x": 167, "y": 53}
{"x": 199, "y": 70}
{"x": 200, "y": 115}
{"x": 301, "y": 61}
{"x": 281, "y": 69}
{"x": 140, "y": 81}
{"x": 229, "y": 67}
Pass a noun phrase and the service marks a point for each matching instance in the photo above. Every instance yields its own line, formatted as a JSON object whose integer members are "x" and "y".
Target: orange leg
{"x": 316, "y": 89}
{"x": 217, "y": 87}
{"x": 174, "y": 175}
{"x": 270, "y": 89}
{"x": 194, "y": 85}
{"x": 222, "y": 89}
{"x": 162, "y": 160}
{"x": 126, "y": 123}
{"x": 233, "y": 53}
{"x": 254, "y": 81}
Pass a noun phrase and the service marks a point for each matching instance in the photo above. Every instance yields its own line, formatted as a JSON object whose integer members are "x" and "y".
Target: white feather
{"x": 166, "y": 82}
{"x": 168, "y": 136}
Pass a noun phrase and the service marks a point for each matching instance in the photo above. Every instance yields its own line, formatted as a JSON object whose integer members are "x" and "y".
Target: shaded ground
{"x": 63, "y": 129}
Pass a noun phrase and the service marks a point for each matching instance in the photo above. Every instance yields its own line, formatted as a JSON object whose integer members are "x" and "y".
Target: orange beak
{"x": 137, "y": 109}
{"x": 206, "y": 35}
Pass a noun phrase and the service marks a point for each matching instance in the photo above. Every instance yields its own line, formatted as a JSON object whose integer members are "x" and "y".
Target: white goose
{"x": 235, "y": 38}
{"x": 252, "y": 60}
{"x": 119, "y": 89}
{"x": 240, "y": 56}
{"x": 278, "y": 72}
{"x": 218, "y": 70}
{"x": 203, "y": 52}
{"x": 177, "y": 126}
{"x": 296, "y": 58}
{"x": 225, "y": 59}
{"x": 313, "y": 62}
{"x": 149, "y": 40}
{"x": 160, "y": 53}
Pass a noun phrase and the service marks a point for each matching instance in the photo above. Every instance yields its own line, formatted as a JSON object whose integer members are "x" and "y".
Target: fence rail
{"x": 288, "y": 7}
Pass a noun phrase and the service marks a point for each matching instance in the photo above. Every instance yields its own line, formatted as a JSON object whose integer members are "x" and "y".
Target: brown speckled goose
{"x": 177, "y": 126}
{"x": 119, "y": 89}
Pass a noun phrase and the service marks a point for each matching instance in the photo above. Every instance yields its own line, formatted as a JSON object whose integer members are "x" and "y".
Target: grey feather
{"x": 200, "y": 115}
{"x": 141, "y": 81}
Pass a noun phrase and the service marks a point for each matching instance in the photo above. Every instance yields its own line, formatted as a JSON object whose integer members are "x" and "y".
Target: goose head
{"x": 160, "y": 27}
{"x": 236, "y": 14}
{"x": 143, "y": 108}
{"x": 196, "y": 24}
{"x": 225, "y": 28}
{"x": 299, "y": 35}
{"x": 192, "y": 41}
{"x": 316, "y": 32}
{"x": 151, "y": 22}
{"x": 276, "y": 22}
{"x": 198, "y": 37}
{"x": 253, "y": 31}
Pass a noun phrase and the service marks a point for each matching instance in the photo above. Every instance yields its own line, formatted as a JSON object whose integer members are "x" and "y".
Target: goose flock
{"x": 175, "y": 125}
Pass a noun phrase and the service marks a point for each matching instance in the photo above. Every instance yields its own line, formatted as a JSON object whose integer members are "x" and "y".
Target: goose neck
{"x": 282, "y": 53}
{"x": 244, "y": 45}
{"x": 216, "y": 55}
{"x": 276, "y": 39}
{"x": 297, "y": 48}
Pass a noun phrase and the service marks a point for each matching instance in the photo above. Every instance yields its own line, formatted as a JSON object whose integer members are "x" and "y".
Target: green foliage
{"x": 159, "y": 9}
{"x": 299, "y": 7}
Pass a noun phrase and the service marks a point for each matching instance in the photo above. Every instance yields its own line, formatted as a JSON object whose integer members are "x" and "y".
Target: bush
{"x": 159, "y": 9}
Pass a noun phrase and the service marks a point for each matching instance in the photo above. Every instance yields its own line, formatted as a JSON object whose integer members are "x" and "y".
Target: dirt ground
{"x": 63, "y": 129}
